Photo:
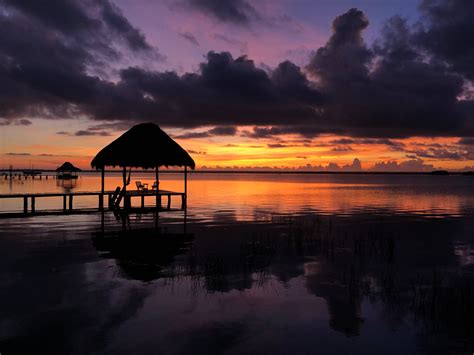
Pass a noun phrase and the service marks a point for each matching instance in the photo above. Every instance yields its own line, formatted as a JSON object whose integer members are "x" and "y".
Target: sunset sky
{"x": 255, "y": 84}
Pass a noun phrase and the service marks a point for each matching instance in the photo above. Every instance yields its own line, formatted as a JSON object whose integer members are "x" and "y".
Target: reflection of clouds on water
{"x": 465, "y": 253}
{"x": 63, "y": 303}
{"x": 323, "y": 281}
{"x": 301, "y": 282}
{"x": 252, "y": 197}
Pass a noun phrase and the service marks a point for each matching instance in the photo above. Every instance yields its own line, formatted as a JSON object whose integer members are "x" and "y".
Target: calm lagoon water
{"x": 281, "y": 264}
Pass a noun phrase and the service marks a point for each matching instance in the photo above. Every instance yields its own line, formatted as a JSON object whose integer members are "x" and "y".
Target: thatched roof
{"x": 143, "y": 146}
{"x": 67, "y": 166}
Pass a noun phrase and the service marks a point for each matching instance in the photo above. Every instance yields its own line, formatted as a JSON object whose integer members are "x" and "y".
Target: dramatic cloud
{"x": 389, "y": 91}
{"x": 408, "y": 84}
{"x": 226, "y": 91}
{"x": 48, "y": 50}
{"x": 448, "y": 33}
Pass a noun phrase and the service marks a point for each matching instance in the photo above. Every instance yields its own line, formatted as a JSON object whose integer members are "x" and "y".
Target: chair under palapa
{"x": 144, "y": 146}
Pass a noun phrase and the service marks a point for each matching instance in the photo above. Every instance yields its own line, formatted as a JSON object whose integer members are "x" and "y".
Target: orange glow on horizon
{"x": 42, "y": 148}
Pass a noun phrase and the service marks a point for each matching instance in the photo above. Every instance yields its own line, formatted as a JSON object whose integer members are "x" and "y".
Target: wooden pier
{"x": 29, "y": 201}
{"x": 22, "y": 176}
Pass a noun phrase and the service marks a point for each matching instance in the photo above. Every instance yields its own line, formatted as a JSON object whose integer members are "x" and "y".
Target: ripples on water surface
{"x": 246, "y": 196}
{"x": 300, "y": 264}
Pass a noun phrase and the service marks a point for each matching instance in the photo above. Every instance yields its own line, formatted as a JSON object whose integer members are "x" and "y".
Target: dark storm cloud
{"x": 83, "y": 20}
{"x": 448, "y": 33}
{"x": 239, "y": 12}
{"x": 403, "y": 93}
{"x": 114, "y": 18}
{"x": 226, "y": 91}
{"x": 405, "y": 85}
{"x": 48, "y": 49}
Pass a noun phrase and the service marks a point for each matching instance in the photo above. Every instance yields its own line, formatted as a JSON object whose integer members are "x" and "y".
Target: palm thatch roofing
{"x": 67, "y": 166}
{"x": 143, "y": 146}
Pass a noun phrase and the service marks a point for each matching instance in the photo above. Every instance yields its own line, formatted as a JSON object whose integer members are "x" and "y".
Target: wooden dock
{"x": 29, "y": 201}
{"x": 21, "y": 176}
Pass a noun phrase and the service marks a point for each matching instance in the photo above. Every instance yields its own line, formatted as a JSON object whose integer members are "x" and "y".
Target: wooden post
{"x": 158, "y": 197}
{"x": 102, "y": 183}
{"x": 25, "y": 205}
{"x": 64, "y": 203}
{"x": 70, "y": 202}
{"x": 185, "y": 186}
{"x": 143, "y": 201}
{"x": 32, "y": 204}
{"x": 124, "y": 178}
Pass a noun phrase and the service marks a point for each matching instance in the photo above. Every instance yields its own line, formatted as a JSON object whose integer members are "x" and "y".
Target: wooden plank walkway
{"x": 30, "y": 208}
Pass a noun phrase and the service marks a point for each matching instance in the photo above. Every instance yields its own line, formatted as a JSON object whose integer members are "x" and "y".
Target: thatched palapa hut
{"x": 67, "y": 171}
{"x": 143, "y": 146}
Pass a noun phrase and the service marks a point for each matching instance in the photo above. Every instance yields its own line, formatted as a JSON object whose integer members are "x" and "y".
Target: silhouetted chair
{"x": 140, "y": 186}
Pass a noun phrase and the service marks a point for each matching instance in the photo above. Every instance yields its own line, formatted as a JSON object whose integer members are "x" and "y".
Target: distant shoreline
{"x": 266, "y": 172}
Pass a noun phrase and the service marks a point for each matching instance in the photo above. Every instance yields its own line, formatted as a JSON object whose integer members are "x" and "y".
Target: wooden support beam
{"x": 25, "y": 205}
{"x": 70, "y": 202}
{"x": 102, "y": 186}
{"x": 169, "y": 202}
{"x": 64, "y": 203}
{"x": 158, "y": 197}
{"x": 185, "y": 196}
{"x": 32, "y": 204}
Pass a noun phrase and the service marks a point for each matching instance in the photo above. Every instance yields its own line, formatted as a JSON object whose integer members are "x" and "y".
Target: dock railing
{"x": 29, "y": 200}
